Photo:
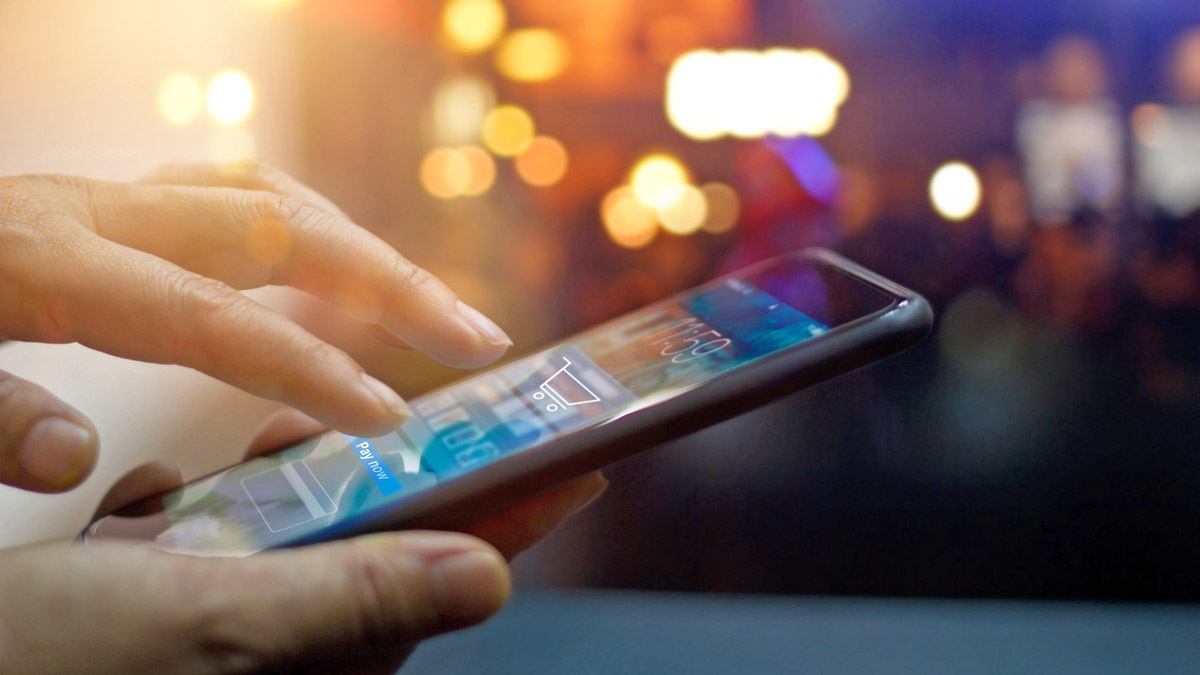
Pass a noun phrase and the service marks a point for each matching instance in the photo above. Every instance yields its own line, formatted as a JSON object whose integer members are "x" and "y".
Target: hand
{"x": 355, "y": 606}
{"x": 149, "y": 271}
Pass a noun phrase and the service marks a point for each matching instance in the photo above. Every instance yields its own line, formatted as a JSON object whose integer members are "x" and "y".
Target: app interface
{"x": 631, "y": 362}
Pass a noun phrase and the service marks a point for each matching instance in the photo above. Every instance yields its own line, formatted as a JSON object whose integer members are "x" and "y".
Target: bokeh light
{"x": 532, "y": 55}
{"x": 472, "y": 26}
{"x": 445, "y": 173}
{"x": 543, "y": 163}
{"x": 955, "y": 191}
{"x": 507, "y": 130}
{"x": 684, "y": 209}
{"x": 654, "y": 178}
{"x": 230, "y": 98}
{"x": 180, "y": 99}
{"x": 459, "y": 106}
{"x": 628, "y": 222}
{"x": 691, "y": 106}
{"x": 747, "y": 94}
{"x": 457, "y": 172}
{"x": 482, "y": 170}
{"x": 724, "y": 208}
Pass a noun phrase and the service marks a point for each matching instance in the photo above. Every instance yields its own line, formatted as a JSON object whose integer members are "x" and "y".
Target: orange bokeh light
{"x": 457, "y": 172}
{"x": 543, "y": 163}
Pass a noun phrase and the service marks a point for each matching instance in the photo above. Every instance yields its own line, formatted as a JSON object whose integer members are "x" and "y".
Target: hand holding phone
{"x": 658, "y": 373}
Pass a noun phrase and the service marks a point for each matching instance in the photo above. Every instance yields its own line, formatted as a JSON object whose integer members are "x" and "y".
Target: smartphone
{"x": 627, "y": 385}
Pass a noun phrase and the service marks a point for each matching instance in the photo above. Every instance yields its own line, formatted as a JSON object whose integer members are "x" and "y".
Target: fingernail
{"x": 469, "y": 587}
{"x": 486, "y": 327}
{"x": 57, "y": 451}
{"x": 387, "y": 396}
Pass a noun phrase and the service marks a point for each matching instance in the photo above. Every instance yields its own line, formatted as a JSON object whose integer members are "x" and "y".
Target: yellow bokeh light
{"x": 628, "y": 222}
{"x": 543, "y": 163}
{"x": 180, "y": 99}
{"x": 230, "y": 98}
{"x": 684, "y": 211}
{"x": 724, "y": 207}
{"x": 654, "y": 178}
{"x": 445, "y": 173}
{"x": 749, "y": 94}
{"x": 955, "y": 191}
{"x": 483, "y": 170}
{"x": 471, "y": 26}
{"x": 532, "y": 55}
{"x": 507, "y": 130}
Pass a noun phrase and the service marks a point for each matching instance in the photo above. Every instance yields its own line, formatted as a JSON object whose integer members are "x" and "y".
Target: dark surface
{"x": 610, "y": 632}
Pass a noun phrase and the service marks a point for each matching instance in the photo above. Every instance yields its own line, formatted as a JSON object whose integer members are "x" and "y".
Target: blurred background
{"x": 1033, "y": 168}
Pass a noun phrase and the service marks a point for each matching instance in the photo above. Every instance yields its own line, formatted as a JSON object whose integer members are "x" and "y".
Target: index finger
{"x": 273, "y": 229}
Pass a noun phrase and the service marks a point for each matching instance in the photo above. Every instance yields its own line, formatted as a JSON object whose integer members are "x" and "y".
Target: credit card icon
{"x": 288, "y": 495}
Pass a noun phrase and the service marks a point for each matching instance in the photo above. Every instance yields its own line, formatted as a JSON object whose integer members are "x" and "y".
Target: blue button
{"x": 376, "y": 468}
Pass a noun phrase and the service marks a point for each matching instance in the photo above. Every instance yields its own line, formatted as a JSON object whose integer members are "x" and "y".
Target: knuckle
{"x": 413, "y": 277}
{"x": 37, "y": 202}
{"x": 228, "y": 639}
{"x": 84, "y": 194}
{"x": 200, "y": 297}
{"x": 65, "y": 182}
{"x": 296, "y": 213}
{"x": 198, "y": 309}
{"x": 320, "y": 356}
{"x": 15, "y": 202}
{"x": 409, "y": 281}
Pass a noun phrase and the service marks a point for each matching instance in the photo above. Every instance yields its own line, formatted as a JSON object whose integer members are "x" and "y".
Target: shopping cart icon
{"x": 564, "y": 390}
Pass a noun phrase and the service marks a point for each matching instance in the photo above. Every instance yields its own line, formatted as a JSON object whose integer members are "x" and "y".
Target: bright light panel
{"x": 750, "y": 94}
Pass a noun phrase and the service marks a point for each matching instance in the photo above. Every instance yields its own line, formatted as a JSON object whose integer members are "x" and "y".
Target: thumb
{"x": 45, "y": 444}
{"x": 348, "y": 600}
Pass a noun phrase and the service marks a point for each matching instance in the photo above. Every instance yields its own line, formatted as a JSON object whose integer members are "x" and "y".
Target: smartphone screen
{"x": 329, "y": 482}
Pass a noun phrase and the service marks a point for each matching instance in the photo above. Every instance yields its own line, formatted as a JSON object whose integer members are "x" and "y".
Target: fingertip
{"x": 460, "y": 338}
{"x": 58, "y": 453}
{"x": 471, "y": 586}
{"x": 469, "y": 579}
{"x": 477, "y": 356}
{"x": 485, "y": 327}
